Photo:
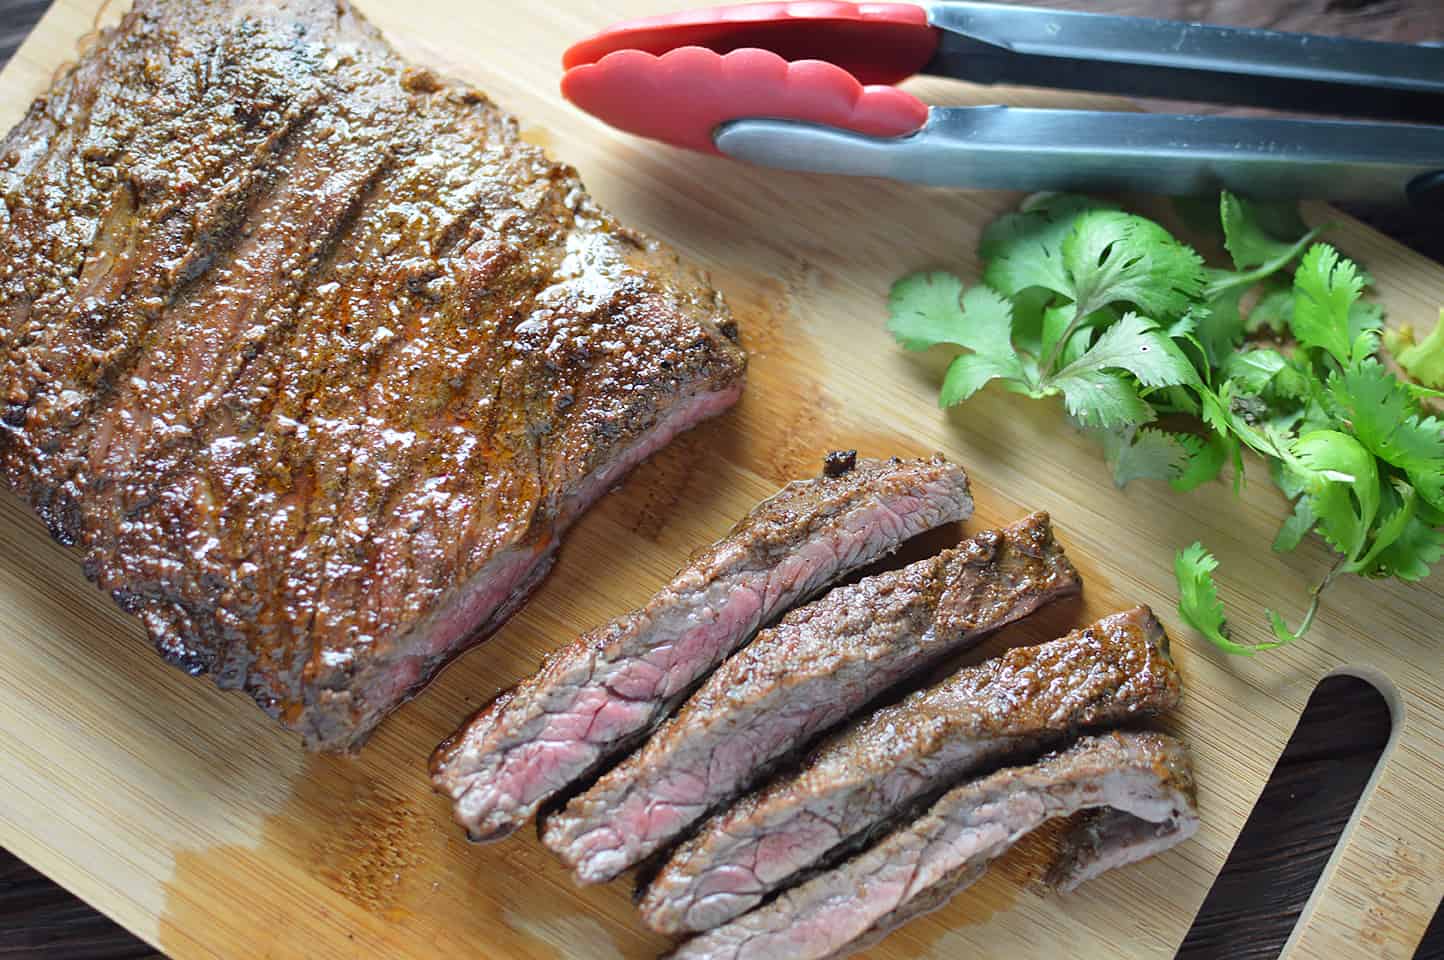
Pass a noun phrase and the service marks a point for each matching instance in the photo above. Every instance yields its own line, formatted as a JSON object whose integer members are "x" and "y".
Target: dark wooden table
{"x": 1288, "y": 838}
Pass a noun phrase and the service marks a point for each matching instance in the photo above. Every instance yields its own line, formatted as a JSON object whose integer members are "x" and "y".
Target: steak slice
{"x": 597, "y": 696}
{"x": 1144, "y": 777}
{"x": 858, "y": 778}
{"x": 1110, "y": 838}
{"x": 314, "y": 357}
{"x": 818, "y": 666}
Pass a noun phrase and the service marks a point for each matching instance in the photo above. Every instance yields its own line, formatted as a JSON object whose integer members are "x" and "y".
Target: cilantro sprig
{"x": 1132, "y": 330}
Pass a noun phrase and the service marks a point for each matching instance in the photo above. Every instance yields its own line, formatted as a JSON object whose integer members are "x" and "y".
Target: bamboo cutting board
{"x": 182, "y": 813}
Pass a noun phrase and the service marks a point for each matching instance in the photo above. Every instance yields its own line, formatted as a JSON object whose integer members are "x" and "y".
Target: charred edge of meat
{"x": 1142, "y": 781}
{"x": 937, "y": 604}
{"x": 1127, "y": 634}
{"x": 791, "y": 508}
{"x": 931, "y": 900}
{"x": 839, "y": 462}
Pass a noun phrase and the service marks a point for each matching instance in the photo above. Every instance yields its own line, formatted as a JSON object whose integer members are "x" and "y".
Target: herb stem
{"x": 1063, "y": 338}
{"x": 1262, "y": 271}
{"x": 1315, "y": 594}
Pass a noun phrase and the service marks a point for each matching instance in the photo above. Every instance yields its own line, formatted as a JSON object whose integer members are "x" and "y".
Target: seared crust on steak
{"x": 1134, "y": 777}
{"x": 865, "y": 775}
{"x": 596, "y": 697}
{"x": 314, "y": 357}
{"x": 817, "y": 667}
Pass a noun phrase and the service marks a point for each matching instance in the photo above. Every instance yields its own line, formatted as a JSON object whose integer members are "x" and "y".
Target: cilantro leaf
{"x": 1273, "y": 311}
{"x": 1364, "y": 317}
{"x": 1254, "y": 370}
{"x": 1325, "y": 287}
{"x": 1296, "y": 527}
{"x": 1056, "y": 322}
{"x": 1419, "y": 546}
{"x": 1386, "y": 419}
{"x": 1244, "y": 234}
{"x": 1113, "y": 257}
{"x": 1028, "y": 307}
{"x": 1198, "y": 602}
{"x": 1282, "y": 634}
{"x": 1343, "y": 485}
{"x": 1206, "y": 458}
{"x": 1267, "y": 374}
{"x": 1098, "y": 398}
{"x": 1200, "y": 607}
{"x": 1258, "y": 254}
{"x": 1025, "y": 249}
{"x": 1221, "y": 325}
{"x": 1135, "y": 344}
{"x": 969, "y": 372}
{"x": 1147, "y": 454}
{"x": 1400, "y": 504}
{"x": 1106, "y": 401}
{"x": 925, "y": 309}
{"x": 1424, "y": 361}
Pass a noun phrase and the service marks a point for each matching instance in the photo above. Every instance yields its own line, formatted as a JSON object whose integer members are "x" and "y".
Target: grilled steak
{"x": 596, "y": 697}
{"x": 1109, "y": 838}
{"x": 1144, "y": 777}
{"x": 861, "y": 776}
{"x": 314, "y": 357}
{"x": 815, "y": 668}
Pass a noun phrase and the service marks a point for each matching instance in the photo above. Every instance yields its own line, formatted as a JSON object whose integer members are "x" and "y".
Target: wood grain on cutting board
{"x": 183, "y": 813}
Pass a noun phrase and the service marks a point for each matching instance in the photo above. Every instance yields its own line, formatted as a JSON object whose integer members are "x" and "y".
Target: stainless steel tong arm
{"x": 1143, "y": 57}
{"x": 1027, "y": 149}
{"x": 1015, "y": 148}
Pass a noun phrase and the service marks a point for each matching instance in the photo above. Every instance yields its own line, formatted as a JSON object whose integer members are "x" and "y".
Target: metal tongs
{"x": 809, "y": 86}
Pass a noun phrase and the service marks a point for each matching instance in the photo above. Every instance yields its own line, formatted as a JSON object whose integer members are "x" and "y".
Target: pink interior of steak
{"x": 1147, "y": 776}
{"x": 1115, "y": 669}
{"x": 812, "y": 670}
{"x": 319, "y": 358}
{"x": 604, "y": 690}
{"x": 493, "y": 593}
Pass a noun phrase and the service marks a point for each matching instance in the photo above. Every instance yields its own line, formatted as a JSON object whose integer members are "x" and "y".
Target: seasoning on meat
{"x": 839, "y": 462}
{"x": 595, "y": 698}
{"x": 860, "y": 778}
{"x": 1142, "y": 778}
{"x": 817, "y": 667}
{"x": 314, "y": 357}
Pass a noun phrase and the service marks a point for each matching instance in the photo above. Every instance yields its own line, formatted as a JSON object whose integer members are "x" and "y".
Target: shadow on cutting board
{"x": 1247, "y": 916}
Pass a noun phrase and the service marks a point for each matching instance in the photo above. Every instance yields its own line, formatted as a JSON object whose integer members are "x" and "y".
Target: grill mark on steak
{"x": 246, "y": 300}
{"x": 177, "y": 167}
{"x": 865, "y": 774}
{"x": 366, "y": 458}
{"x": 368, "y": 304}
{"x": 819, "y": 665}
{"x": 595, "y": 697}
{"x": 255, "y": 410}
{"x": 244, "y": 303}
{"x": 1145, "y": 777}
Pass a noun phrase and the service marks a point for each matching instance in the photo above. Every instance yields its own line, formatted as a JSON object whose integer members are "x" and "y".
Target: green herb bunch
{"x": 1129, "y": 326}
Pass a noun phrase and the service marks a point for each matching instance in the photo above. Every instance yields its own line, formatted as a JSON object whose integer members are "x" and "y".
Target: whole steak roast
{"x": 313, "y": 357}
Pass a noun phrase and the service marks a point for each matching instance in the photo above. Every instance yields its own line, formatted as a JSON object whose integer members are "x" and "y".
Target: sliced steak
{"x": 1110, "y": 838}
{"x": 314, "y": 357}
{"x": 817, "y": 667}
{"x": 858, "y": 778}
{"x": 1145, "y": 777}
{"x": 596, "y": 697}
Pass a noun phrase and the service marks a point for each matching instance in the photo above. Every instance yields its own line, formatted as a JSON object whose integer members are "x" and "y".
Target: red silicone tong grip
{"x": 678, "y": 77}
{"x": 875, "y": 42}
{"x": 683, "y": 96}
